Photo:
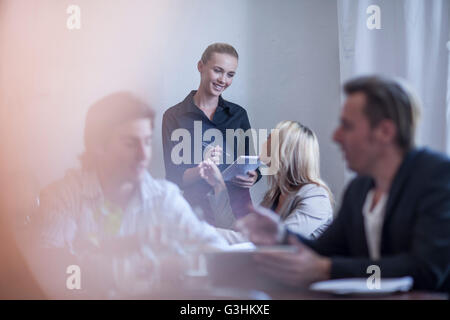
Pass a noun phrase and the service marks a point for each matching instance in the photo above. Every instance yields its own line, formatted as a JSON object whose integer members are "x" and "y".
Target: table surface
{"x": 239, "y": 294}
{"x": 203, "y": 289}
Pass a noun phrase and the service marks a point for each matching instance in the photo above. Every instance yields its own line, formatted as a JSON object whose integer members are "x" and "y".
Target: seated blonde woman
{"x": 296, "y": 191}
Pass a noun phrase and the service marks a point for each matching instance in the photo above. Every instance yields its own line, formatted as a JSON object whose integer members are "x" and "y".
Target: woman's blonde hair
{"x": 296, "y": 156}
{"x": 218, "y": 47}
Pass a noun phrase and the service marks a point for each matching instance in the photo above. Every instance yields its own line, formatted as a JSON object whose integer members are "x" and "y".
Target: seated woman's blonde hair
{"x": 297, "y": 159}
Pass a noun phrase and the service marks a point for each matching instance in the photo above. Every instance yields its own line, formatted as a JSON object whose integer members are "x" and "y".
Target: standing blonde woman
{"x": 207, "y": 108}
{"x": 296, "y": 191}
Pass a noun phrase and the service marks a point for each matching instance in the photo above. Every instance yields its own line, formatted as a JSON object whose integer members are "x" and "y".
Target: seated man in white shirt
{"x": 111, "y": 217}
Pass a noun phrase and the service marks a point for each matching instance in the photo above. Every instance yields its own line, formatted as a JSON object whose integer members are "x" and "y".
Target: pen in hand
{"x": 208, "y": 145}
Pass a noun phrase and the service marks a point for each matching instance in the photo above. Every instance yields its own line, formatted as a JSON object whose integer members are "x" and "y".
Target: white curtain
{"x": 411, "y": 43}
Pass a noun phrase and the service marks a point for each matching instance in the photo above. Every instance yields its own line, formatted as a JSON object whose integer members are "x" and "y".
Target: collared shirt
{"x": 373, "y": 223}
{"x": 74, "y": 210}
{"x": 183, "y": 116}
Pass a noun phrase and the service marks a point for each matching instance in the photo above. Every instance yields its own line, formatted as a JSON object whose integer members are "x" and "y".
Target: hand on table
{"x": 294, "y": 268}
{"x": 261, "y": 227}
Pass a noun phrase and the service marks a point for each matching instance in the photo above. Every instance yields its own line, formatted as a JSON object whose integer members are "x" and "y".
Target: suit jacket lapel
{"x": 359, "y": 227}
{"x": 397, "y": 188}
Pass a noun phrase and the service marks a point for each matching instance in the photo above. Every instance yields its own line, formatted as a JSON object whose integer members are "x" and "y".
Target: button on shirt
{"x": 188, "y": 117}
{"x": 373, "y": 223}
{"x": 184, "y": 115}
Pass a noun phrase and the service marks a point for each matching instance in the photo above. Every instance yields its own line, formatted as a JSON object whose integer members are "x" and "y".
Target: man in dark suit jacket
{"x": 395, "y": 214}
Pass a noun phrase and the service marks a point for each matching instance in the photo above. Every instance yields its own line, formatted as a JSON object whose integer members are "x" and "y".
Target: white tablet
{"x": 241, "y": 166}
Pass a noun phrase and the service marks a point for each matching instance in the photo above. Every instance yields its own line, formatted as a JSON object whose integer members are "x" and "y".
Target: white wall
{"x": 294, "y": 73}
{"x": 288, "y": 69}
{"x": 412, "y": 44}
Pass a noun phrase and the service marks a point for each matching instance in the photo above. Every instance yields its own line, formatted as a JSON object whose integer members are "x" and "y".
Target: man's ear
{"x": 386, "y": 131}
{"x": 200, "y": 66}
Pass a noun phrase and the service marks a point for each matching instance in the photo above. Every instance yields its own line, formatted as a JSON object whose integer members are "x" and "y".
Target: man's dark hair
{"x": 388, "y": 99}
{"x": 106, "y": 114}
